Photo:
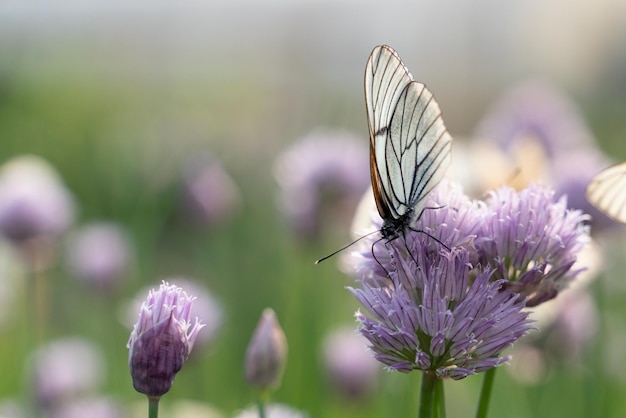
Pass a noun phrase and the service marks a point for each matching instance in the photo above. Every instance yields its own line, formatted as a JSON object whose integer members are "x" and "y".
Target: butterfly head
{"x": 393, "y": 227}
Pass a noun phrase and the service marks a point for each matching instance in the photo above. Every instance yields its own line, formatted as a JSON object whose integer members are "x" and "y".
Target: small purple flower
{"x": 161, "y": 340}
{"x": 210, "y": 194}
{"x": 536, "y": 109}
{"x": 544, "y": 136}
{"x": 99, "y": 254}
{"x": 349, "y": 364}
{"x": 323, "y": 167}
{"x": 567, "y": 327}
{"x": 532, "y": 240}
{"x": 64, "y": 370}
{"x": 34, "y": 202}
{"x": 267, "y": 353}
{"x": 435, "y": 316}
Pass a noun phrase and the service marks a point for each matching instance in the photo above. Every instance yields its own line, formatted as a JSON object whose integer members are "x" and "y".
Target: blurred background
{"x": 223, "y": 146}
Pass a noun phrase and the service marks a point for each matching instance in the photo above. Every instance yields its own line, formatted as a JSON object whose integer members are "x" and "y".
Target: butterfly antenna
{"x": 344, "y": 247}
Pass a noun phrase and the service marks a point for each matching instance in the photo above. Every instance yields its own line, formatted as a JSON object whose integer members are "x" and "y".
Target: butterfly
{"x": 409, "y": 144}
{"x": 607, "y": 192}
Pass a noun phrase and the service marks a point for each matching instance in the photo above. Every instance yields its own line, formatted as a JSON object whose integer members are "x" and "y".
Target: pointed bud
{"x": 267, "y": 353}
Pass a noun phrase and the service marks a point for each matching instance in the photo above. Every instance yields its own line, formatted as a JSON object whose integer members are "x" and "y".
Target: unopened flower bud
{"x": 161, "y": 340}
{"x": 267, "y": 353}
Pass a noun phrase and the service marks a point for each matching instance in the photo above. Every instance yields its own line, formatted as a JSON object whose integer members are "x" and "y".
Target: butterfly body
{"x": 391, "y": 227}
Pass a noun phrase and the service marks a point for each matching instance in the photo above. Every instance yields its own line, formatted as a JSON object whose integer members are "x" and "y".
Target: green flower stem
{"x": 262, "y": 401}
{"x": 153, "y": 407}
{"x": 440, "y": 400}
{"x": 261, "y": 406}
{"x": 427, "y": 394}
{"x": 485, "y": 393}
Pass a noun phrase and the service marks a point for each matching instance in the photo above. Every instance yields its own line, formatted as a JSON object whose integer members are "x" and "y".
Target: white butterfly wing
{"x": 409, "y": 144}
{"x": 607, "y": 192}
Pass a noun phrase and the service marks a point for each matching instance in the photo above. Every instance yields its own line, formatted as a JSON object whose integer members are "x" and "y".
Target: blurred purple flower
{"x": 161, "y": 340}
{"x": 99, "y": 254}
{"x": 272, "y": 411}
{"x": 210, "y": 193}
{"x": 532, "y": 240}
{"x": 537, "y": 113}
{"x": 322, "y": 167}
{"x": 267, "y": 353}
{"x": 349, "y": 364}
{"x": 539, "y": 110}
{"x": 65, "y": 370}
{"x": 574, "y": 325}
{"x": 34, "y": 202}
{"x": 567, "y": 326}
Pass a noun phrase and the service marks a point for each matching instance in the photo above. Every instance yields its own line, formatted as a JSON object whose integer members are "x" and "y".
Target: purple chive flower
{"x": 532, "y": 240}
{"x": 205, "y": 305}
{"x": 99, "y": 254}
{"x": 210, "y": 194}
{"x": 161, "y": 340}
{"x": 349, "y": 364}
{"x": 34, "y": 202}
{"x": 448, "y": 296}
{"x": 323, "y": 167}
{"x": 267, "y": 353}
{"x": 539, "y": 110}
{"x": 567, "y": 327}
{"x": 436, "y": 316}
{"x": 536, "y": 118}
{"x": 64, "y": 370}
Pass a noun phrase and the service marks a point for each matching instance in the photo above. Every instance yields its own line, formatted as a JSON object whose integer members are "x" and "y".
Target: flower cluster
{"x": 448, "y": 296}
{"x": 532, "y": 241}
